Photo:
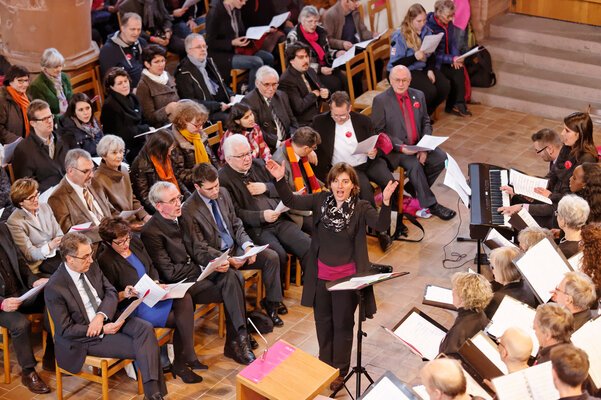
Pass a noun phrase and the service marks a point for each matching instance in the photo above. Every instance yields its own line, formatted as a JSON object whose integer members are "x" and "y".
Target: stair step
{"x": 559, "y": 35}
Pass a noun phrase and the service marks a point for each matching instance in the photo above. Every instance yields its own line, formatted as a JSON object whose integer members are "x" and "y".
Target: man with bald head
{"x": 444, "y": 379}
{"x": 401, "y": 113}
{"x": 515, "y": 347}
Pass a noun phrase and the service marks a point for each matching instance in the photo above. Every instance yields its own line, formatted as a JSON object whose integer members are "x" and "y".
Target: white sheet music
{"x": 130, "y": 309}
{"x": 129, "y": 213}
{"x": 455, "y": 180}
{"x": 47, "y": 193}
{"x": 252, "y": 252}
{"x": 534, "y": 383}
{"x": 494, "y": 235}
{"x": 430, "y": 43}
{"x": 9, "y": 150}
{"x": 31, "y": 292}
{"x": 235, "y": 99}
{"x": 343, "y": 59}
{"x": 279, "y": 19}
{"x": 471, "y": 52}
{"x": 524, "y": 185}
{"x": 439, "y": 294}
{"x": 587, "y": 338}
{"x": 177, "y": 290}
{"x": 543, "y": 267}
{"x": 281, "y": 208}
{"x": 576, "y": 261}
{"x": 386, "y": 389}
{"x": 421, "y": 334}
{"x": 527, "y": 218}
{"x": 513, "y": 313}
{"x": 80, "y": 227}
{"x": 155, "y": 292}
{"x": 367, "y": 145}
{"x": 428, "y": 143}
{"x": 212, "y": 266}
{"x": 421, "y": 391}
{"x": 490, "y": 350}
{"x": 256, "y": 32}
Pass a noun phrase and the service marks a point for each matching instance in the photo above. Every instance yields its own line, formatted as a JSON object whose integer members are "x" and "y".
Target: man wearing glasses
{"x": 75, "y": 201}
{"x": 41, "y": 155}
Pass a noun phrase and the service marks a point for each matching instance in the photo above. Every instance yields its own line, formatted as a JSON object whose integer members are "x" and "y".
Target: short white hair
{"x": 156, "y": 192}
{"x": 574, "y": 211}
{"x": 264, "y": 72}
{"x": 52, "y": 58}
{"x": 308, "y": 11}
{"x": 109, "y": 143}
{"x": 230, "y": 142}
{"x": 190, "y": 38}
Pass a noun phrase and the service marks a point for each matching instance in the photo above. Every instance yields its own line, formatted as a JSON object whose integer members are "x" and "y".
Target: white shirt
{"x": 82, "y": 293}
{"x": 79, "y": 190}
{"x": 345, "y": 146}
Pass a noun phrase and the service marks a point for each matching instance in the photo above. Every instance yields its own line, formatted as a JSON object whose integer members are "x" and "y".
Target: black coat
{"x": 305, "y": 105}
{"x": 76, "y": 138}
{"x": 518, "y": 290}
{"x": 220, "y": 35}
{"x": 25, "y": 278}
{"x": 466, "y": 325}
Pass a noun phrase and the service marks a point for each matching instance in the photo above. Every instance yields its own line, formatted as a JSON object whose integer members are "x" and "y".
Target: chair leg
{"x": 221, "y": 320}
{"x": 140, "y": 384}
{"x": 59, "y": 382}
{"x": 298, "y": 281}
{"x": 259, "y": 289}
{"x": 287, "y": 276}
{"x": 105, "y": 380}
{"x": 6, "y": 353}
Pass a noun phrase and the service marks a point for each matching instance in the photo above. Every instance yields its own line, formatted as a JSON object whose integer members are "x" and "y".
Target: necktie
{"x": 88, "y": 291}
{"x": 306, "y": 82}
{"x": 90, "y": 203}
{"x": 226, "y": 238}
{"x": 409, "y": 120}
{"x": 278, "y": 124}
{"x": 51, "y": 148}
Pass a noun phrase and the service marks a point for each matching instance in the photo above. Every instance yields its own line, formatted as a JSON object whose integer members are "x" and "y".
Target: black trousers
{"x": 181, "y": 317}
{"x": 269, "y": 264}
{"x": 334, "y": 82}
{"x": 436, "y": 92}
{"x": 376, "y": 171}
{"x": 334, "y": 314}
{"x": 457, "y": 80}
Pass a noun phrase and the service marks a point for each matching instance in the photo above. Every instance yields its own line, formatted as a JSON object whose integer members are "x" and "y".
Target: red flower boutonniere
{"x": 416, "y": 104}
{"x": 568, "y": 164}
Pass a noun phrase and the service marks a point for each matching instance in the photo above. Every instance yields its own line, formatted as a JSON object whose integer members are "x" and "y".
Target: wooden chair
{"x": 202, "y": 27}
{"x": 251, "y": 277}
{"x": 298, "y": 282}
{"x": 374, "y": 7}
{"x": 238, "y": 75}
{"x": 282, "y": 51}
{"x": 106, "y": 366}
{"x": 214, "y": 133}
{"x": 355, "y": 66}
{"x": 204, "y": 309}
{"x": 36, "y": 326}
{"x": 379, "y": 50}
{"x": 10, "y": 172}
{"x": 88, "y": 83}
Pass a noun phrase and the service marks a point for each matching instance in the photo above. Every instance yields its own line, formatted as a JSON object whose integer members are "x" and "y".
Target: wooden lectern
{"x": 297, "y": 376}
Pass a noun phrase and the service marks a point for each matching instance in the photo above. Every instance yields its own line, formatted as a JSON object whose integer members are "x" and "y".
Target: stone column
{"x": 483, "y": 11}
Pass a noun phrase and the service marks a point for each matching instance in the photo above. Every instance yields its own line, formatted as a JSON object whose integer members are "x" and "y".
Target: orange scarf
{"x": 23, "y": 102}
{"x": 165, "y": 171}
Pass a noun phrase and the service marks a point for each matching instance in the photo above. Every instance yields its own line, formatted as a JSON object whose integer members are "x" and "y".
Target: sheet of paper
{"x": 421, "y": 391}
{"x": 490, "y": 350}
{"x": 386, "y": 389}
{"x": 543, "y": 267}
{"x": 587, "y": 338}
{"x": 281, "y": 208}
{"x": 237, "y": 98}
{"x": 129, "y": 214}
{"x": 365, "y": 43}
{"x": 252, "y": 252}
{"x": 527, "y": 218}
{"x": 279, "y": 19}
{"x": 212, "y": 266}
{"x": 428, "y": 143}
{"x": 496, "y": 237}
{"x": 576, "y": 261}
{"x": 474, "y": 389}
{"x": 347, "y": 285}
{"x": 155, "y": 292}
{"x": 524, "y": 185}
{"x": 513, "y": 313}
{"x": 189, "y": 3}
{"x": 46, "y": 195}
{"x": 131, "y": 308}
{"x": 534, "y": 383}
{"x": 455, "y": 180}
{"x": 153, "y": 130}
{"x": 430, "y": 43}
{"x": 338, "y": 61}
{"x": 367, "y": 145}
{"x": 81, "y": 227}
{"x": 32, "y": 292}
{"x": 439, "y": 294}
{"x": 177, "y": 290}
{"x": 371, "y": 278}
{"x": 256, "y": 32}
{"x": 9, "y": 150}
{"x": 471, "y": 52}
{"x": 421, "y": 334}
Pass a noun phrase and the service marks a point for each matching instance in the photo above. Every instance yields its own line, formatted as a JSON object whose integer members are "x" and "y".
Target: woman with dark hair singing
{"x": 586, "y": 182}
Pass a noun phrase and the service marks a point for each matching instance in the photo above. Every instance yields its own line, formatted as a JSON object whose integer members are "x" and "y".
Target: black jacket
{"x": 113, "y": 55}
{"x": 305, "y": 105}
{"x": 518, "y": 290}
{"x": 76, "y": 138}
{"x": 466, "y": 325}
{"x": 25, "y": 278}
{"x": 220, "y": 35}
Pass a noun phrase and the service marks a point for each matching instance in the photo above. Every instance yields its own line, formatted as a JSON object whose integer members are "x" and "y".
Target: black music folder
{"x": 482, "y": 355}
{"x": 522, "y": 220}
{"x": 494, "y": 239}
{"x": 438, "y": 296}
{"x": 390, "y": 387}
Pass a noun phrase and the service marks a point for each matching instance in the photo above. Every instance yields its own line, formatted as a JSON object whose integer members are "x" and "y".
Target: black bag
{"x": 263, "y": 323}
{"x": 479, "y": 68}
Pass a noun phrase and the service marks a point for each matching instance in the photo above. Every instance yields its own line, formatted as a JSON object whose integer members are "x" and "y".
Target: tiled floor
{"x": 492, "y": 135}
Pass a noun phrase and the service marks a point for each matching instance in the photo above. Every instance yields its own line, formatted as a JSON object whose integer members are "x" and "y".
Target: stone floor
{"x": 492, "y": 135}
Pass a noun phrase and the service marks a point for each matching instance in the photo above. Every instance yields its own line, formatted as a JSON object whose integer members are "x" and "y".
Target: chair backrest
{"x": 88, "y": 83}
{"x": 282, "y": 51}
{"x": 51, "y": 322}
{"x": 355, "y": 66}
{"x": 366, "y": 111}
{"x": 214, "y": 133}
{"x": 378, "y": 50}
{"x": 10, "y": 172}
{"x": 374, "y": 7}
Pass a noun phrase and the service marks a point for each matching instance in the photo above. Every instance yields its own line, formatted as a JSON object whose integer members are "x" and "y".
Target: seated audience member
{"x": 191, "y": 142}
{"x": 104, "y": 20}
{"x": 293, "y": 153}
{"x": 572, "y": 213}
{"x": 576, "y": 292}
{"x": 113, "y": 181}
{"x": 255, "y": 198}
{"x": 78, "y": 126}
{"x": 156, "y": 90}
{"x": 553, "y": 325}
{"x": 271, "y": 108}
{"x": 75, "y": 201}
{"x": 344, "y": 25}
{"x": 122, "y": 112}
{"x": 586, "y": 183}
{"x": 531, "y": 235}
{"x": 164, "y": 240}
{"x": 293, "y": 6}
{"x": 446, "y": 54}
{"x": 591, "y": 254}
{"x": 444, "y": 379}
{"x": 124, "y": 261}
{"x": 186, "y": 19}
{"x": 211, "y": 227}
{"x": 260, "y": 13}
{"x": 124, "y": 49}
{"x": 570, "y": 370}
{"x": 301, "y": 84}
{"x": 42, "y": 154}
{"x": 197, "y": 78}
{"x": 5, "y": 203}
{"x": 321, "y": 56}
{"x": 515, "y": 347}
{"x": 15, "y": 279}
{"x": 508, "y": 276}
{"x": 227, "y": 44}
{"x": 14, "y": 102}
{"x": 82, "y": 304}
{"x": 34, "y": 229}
{"x": 52, "y": 85}
{"x": 241, "y": 120}
{"x": 405, "y": 45}
{"x": 400, "y": 112}
{"x": 157, "y": 162}
{"x": 471, "y": 295}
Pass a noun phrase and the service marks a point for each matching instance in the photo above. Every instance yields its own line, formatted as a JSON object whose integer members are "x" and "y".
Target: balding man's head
{"x": 400, "y": 78}
{"x": 515, "y": 345}
{"x": 443, "y": 377}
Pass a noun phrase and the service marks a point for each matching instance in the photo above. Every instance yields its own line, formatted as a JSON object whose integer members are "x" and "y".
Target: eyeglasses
{"x": 22, "y": 80}
{"x": 558, "y": 290}
{"x": 86, "y": 171}
{"x": 174, "y": 200}
{"x": 84, "y": 258}
{"x": 541, "y": 150}
{"x": 197, "y": 125}
{"x": 344, "y": 116}
{"x": 44, "y": 119}
{"x": 33, "y": 196}
{"x": 243, "y": 156}
{"x": 123, "y": 241}
{"x": 199, "y": 47}
{"x": 272, "y": 85}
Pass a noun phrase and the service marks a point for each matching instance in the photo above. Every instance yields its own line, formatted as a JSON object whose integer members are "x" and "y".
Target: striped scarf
{"x": 299, "y": 182}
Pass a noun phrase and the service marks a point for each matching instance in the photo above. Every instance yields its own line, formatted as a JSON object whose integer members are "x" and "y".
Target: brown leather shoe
{"x": 34, "y": 383}
{"x": 337, "y": 384}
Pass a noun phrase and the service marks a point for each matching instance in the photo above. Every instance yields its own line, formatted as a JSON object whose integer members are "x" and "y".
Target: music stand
{"x": 359, "y": 288}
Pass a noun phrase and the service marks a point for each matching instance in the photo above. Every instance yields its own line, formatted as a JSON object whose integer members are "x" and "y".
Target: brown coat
{"x": 12, "y": 125}
{"x": 333, "y": 22}
{"x": 154, "y": 97}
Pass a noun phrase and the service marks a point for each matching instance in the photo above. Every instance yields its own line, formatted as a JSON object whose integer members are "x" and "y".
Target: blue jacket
{"x": 399, "y": 50}
{"x": 447, "y": 48}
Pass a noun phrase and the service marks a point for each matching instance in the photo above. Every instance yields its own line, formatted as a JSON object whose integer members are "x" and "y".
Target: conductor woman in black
{"x": 339, "y": 220}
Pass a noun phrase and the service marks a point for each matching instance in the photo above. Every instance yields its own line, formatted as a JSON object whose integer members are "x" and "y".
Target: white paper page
{"x": 367, "y": 145}
{"x": 189, "y": 3}
{"x": 543, "y": 267}
{"x": 512, "y": 387}
{"x": 128, "y": 214}
{"x": 540, "y": 380}
{"x": 155, "y": 292}
{"x": 439, "y": 294}
{"x": 97, "y": 160}
{"x": 371, "y": 278}
{"x": 46, "y": 195}
{"x": 256, "y": 32}
{"x": 454, "y": 184}
{"x": 130, "y": 309}
{"x": 365, "y": 43}
{"x": 386, "y": 389}
{"x": 454, "y": 169}
{"x": 9, "y": 150}
{"x": 80, "y": 227}
{"x": 281, "y": 208}
{"x": 421, "y": 334}
{"x": 32, "y": 292}
{"x": 513, "y": 313}
{"x": 237, "y": 98}
{"x": 2, "y": 212}
{"x": 587, "y": 338}
{"x": 212, "y": 266}
{"x": 279, "y": 20}
{"x": 430, "y": 43}
{"x": 469, "y": 53}
{"x": 350, "y": 53}
{"x": 347, "y": 285}
{"x": 153, "y": 130}
{"x": 253, "y": 251}
{"x": 474, "y": 388}
{"x": 177, "y": 290}
{"x": 490, "y": 350}
{"x": 525, "y": 215}
{"x": 428, "y": 143}
{"x": 524, "y": 185}
{"x": 576, "y": 261}
{"x": 494, "y": 234}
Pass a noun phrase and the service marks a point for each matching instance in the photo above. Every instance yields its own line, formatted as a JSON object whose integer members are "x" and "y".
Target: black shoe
{"x": 197, "y": 365}
{"x": 239, "y": 351}
{"x": 156, "y": 396}
{"x": 337, "y": 384}
{"x": 401, "y": 230}
{"x": 272, "y": 312}
{"x": 34, "y": 383}
{"x": 282, "y": 309}
{"x": 252, "y": 342}
{"x": 186, "y": 374}
{"x": 461, "y": 110}
{"x": 385, "y": 241}
{"x": 48, "y": 365}
{"x": 381, "y": 268}
{"x": 442, "y": 212}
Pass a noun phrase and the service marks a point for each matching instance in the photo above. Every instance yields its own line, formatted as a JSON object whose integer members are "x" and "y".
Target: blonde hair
{"x": 582, "y": 289}
{"x": 556, "y": 321}
{"x": 501, "y": 260}
{"x": 445, "y": 375}
{"x": 412, "y": 38}
{"x": 532, "y": 235}
{"x": 473, "y": 290}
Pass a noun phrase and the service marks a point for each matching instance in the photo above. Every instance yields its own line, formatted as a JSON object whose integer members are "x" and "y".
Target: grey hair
{"x": 190, "y": 38}
{"x": 574, "y": 211}
{"x": 52, "y": 58}
{"x": 231, "y": 141}
{"x": 308, "y": 11}
{"x": 264, "y": 72}
{"x": 109, "y": 143}
{"x": 125, "y": 18}
{"x": 582, "y": 289}
{"x": 442, "y": 7}
{"x": 74, "y": 155}
{"x": 154, "y": 195}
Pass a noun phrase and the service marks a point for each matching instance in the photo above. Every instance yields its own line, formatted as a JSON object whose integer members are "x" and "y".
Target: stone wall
{"x": 483, "y": 11}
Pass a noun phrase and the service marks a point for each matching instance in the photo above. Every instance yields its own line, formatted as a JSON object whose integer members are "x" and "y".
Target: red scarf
{"x": 299, "y": 182}
{"x": 23, "y": 102}
{"x": 312, "y": 39}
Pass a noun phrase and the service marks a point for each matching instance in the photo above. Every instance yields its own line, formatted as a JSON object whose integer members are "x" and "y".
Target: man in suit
{"x": 301, "y": 84}
{"x": 82, "y": 304}
{"x": 341, "y": 131}
{"x": 211, "y": 227}
{"x": 15, "y": 279}
{"x": 271, "y": 107}
{"x": 163, "y": 237}
{"x": 344, "y": 25}
{"x": 256, "y": 198}
{"x": 401, "y": 113}
{"x": 41, "y": 155}
{"x": 75, "y": 201}
{"x": 197, "y": 78}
